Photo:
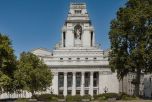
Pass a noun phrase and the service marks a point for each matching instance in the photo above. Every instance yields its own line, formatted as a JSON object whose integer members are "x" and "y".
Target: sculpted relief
{"x": 77, "y": 32}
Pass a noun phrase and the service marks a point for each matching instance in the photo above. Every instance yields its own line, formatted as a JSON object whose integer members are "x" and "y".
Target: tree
{"x": 32, "y": 74}
{"x": 7, "y": 64}
{"x": 131, "y": 40}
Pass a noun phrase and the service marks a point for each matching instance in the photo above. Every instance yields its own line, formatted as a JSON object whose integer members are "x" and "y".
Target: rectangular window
{"x": 61, "y": 59}
{"x": 86, "y": 92}
{"x": 78, "y": 11}
{"x": 69, "y": 80}
{"x": 60, "y": 92}
{"x": 94, "y": 58}
{"x": 70, "y": 59}
{"x": 61, "y": 80}
{"x": 86, "y": 58}
{"x": 87, "y": 79}
{"x": 78, "y": 59}
{"x": 95, "y": 83}
{"x": 78, "y": 79}
{"x": 77, "y": 92}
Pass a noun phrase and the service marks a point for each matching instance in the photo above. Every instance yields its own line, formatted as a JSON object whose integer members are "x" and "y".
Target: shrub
{"x": 105, "y": 96}
{"x": 86, "y": 97}
{"x": 76, "y": 98}
{"x": 127, "y": 97}
{"x": 95, "y": 96}
{"x": 22, "y": 100}
{"x": 61, "y": 97}
{"x": 46, "y": 97}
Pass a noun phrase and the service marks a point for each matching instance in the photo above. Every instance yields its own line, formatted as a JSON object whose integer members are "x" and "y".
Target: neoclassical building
{"x": 78, "y": 64}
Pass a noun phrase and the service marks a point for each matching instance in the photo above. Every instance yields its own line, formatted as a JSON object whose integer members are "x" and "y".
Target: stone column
{"x": 65, "y": 84}
{"x": 74, "y": 84}
{"x": 55, "y": 83}
{"x": 91, "y": 84}
{"x": 82, "y": 83}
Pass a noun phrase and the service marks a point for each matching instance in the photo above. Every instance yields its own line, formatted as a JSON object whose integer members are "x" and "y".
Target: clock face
{"x": 77, "y": 32}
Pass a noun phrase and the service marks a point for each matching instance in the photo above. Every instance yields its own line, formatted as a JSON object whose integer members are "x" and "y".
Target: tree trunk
{"x": 137, "y": 84}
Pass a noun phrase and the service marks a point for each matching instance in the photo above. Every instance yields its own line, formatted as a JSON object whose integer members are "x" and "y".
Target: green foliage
{"x": 54, "y": 98}
{"x": 46, "y": 97}
{"x": 105, "y": 96}
{"x": 32, "y": 74}
{"x": 22, "y": 100}
{"x": 121, "y": 96}
{"x": 61, "y": 97}
{"x": 7, "y": 64}
{"x": 124, "y": 96}
{"x": 76, "y": 98}
{"x": 131, "y": 40}
{"x": 87, "y": 97}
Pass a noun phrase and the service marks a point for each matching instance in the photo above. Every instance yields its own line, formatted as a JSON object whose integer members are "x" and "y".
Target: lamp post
{"x": 51, "y": 90}
{"x": 105, "y": 89}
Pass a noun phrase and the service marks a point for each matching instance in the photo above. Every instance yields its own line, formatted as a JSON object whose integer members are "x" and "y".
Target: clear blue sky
{"x": 37, "y": 23}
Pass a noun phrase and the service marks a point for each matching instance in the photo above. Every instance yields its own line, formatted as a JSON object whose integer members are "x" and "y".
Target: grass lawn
{"x": 136, "y": 101}
{"x": 128, "y": 101}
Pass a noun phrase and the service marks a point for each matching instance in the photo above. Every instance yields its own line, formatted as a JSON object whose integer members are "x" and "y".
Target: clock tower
{"x": 78, "y": 30}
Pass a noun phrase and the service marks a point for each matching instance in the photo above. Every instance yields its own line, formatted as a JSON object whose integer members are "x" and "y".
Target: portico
{"x": 78, "y": 83}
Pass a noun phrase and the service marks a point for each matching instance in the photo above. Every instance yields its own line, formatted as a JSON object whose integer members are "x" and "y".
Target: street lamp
{"x": 105, "y": 89}
{"x": 51, "y": 90}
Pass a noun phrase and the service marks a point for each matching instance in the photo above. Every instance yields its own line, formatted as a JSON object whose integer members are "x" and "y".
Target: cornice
{"x": 78, "y": 66}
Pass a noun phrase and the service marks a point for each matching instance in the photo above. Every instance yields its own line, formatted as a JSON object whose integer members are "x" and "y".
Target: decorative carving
{"x": 78, "y": 32}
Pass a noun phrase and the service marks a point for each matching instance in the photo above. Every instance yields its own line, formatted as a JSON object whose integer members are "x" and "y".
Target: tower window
{"x": 78, "y": 11}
